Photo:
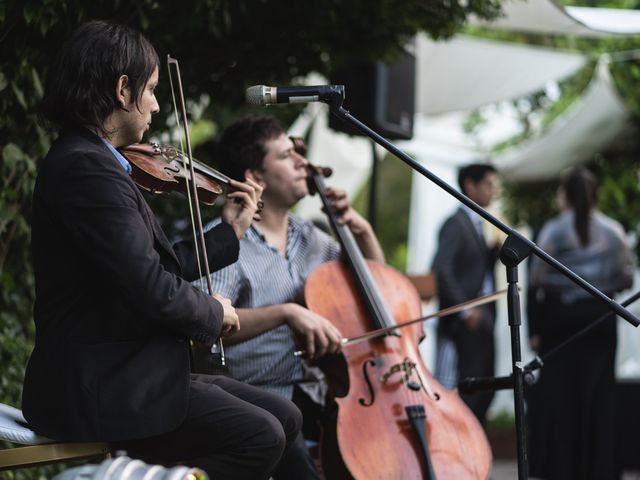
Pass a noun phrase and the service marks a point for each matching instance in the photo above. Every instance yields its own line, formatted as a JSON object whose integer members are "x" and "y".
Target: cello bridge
{"x": 406, "y": 366}
{"x": 411, "y": 377}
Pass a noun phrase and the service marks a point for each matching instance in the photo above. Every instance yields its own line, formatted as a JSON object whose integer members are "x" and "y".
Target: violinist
{"x": 266, "y": 284}
{"x": 114, "y": 309}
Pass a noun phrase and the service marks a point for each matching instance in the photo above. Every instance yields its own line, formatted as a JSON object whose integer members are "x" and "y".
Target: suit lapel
{"x": 162, "y": 239}
{"x": 158, "y": 235}
{"x": 468, "y": 223}
{"x": 150, "y": 219}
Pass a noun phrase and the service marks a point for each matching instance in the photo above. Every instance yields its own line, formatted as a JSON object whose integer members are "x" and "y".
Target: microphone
{"x": 264, "y": 95}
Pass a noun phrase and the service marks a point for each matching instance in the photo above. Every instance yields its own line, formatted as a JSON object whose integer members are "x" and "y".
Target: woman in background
{"x": 571, "y": 407}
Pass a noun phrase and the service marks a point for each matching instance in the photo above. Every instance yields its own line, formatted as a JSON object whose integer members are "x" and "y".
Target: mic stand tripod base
{"x": 513, "y": 251}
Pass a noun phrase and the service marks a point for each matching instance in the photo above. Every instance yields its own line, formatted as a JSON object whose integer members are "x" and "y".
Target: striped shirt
{"x": 263, "y": 277}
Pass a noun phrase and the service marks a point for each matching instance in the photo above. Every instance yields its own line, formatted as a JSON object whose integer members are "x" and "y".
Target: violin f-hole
{"x": 172, "y": 169}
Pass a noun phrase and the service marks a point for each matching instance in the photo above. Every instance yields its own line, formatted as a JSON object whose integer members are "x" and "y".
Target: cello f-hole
{"x": 365, "y": 374}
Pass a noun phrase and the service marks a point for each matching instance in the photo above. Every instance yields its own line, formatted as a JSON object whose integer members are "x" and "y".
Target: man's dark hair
{"x": 80, "y": 86}
{"x": 474, "y": 172}
{"x": 242, "y": 145}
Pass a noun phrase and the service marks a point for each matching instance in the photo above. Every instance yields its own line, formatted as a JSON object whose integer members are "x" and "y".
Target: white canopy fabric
{"x": 588, "y": 126}
{"x": 547, "y": 17}
{"x": 466, "y": 73}
{"x": 595, "y": 120}
{"x": 592, "y": 123}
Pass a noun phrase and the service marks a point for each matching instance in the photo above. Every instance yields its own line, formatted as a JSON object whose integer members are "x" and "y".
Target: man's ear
{"x": 123, "y": 92}
{"x": 254, "y": 175}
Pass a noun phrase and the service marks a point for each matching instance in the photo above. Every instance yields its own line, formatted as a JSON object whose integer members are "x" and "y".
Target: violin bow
{"x": 476, "y": 302}
{"x": 192, "y": 195}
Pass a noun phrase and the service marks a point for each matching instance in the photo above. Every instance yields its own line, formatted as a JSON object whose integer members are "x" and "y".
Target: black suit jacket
{"x": 114, "y": 307}
{"x": 461, "y": 263}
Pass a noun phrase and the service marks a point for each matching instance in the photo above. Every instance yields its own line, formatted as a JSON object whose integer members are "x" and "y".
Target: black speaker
{"x": 382, "y": 96}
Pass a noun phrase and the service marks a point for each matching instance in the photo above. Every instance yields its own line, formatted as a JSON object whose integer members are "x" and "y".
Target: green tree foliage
{"x": 223, "y": 46}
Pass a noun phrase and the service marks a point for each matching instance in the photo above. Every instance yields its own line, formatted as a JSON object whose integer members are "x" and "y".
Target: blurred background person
{"x": 463, "y": 265}
{"x": 571, "y": 407}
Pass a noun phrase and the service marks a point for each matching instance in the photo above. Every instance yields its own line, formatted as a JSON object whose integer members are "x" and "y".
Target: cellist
{"x": 114, "y": 307}
{"x": 266, "y": 284}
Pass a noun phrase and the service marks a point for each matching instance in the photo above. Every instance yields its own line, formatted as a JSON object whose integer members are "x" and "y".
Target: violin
{"x": 163, "y": 168}
{"x": 389, "y": 418}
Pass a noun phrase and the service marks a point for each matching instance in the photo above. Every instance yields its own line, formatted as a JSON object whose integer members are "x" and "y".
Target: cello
{"x": 391, "y": 419}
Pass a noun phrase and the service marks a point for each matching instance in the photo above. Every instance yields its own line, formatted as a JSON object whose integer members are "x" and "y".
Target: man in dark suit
{"x": 114, "y": 308}
{"x": 464, "y": 270}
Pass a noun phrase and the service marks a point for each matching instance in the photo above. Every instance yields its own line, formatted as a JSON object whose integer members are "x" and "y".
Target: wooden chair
{"x": 38, "y": 450}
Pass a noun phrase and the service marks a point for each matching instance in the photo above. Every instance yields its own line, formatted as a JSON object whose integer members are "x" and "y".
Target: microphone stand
{"x": 515, "y": 249}
{"x": 475, "y": 384}
{"x": 478, "y": 384}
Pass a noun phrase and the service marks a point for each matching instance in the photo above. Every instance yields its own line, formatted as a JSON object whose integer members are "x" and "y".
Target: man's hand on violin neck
{"x": 316, "y": 334}
{"x": 242, "y": 206}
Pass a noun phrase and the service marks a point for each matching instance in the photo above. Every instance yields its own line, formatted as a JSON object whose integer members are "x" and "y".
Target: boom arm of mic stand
{"x": 538, "y": 362}
{"x": 515, "y": 249}
{"x": 340, "y": 112}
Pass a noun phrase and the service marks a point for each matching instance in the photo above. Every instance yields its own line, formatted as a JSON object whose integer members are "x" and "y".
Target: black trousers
{"x": 298, "y": 463}
{"x": 231, "y": 431}
{"x": 571, "y": 408}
